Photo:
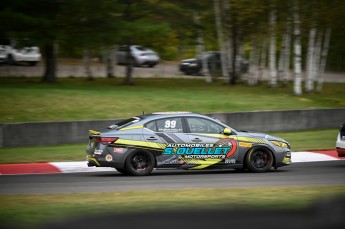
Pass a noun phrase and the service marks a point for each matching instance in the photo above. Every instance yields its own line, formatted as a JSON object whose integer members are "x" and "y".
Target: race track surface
{"x": 299, "y": 174}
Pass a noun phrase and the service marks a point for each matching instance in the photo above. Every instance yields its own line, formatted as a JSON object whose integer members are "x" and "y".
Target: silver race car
{"x": 183, "y": 140}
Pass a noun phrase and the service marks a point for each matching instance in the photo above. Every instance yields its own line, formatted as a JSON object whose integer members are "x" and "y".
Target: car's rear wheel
{"x": 140, "y": 163}
{"x": 259, "y": 160}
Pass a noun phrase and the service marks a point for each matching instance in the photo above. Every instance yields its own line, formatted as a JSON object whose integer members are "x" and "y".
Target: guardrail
{"x": 72, "y": 132}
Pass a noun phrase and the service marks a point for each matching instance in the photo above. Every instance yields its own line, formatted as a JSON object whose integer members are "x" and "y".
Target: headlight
{"x": 280, "y": 144}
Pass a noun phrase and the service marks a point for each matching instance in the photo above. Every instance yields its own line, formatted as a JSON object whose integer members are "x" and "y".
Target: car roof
{"x": 158, "y": 115}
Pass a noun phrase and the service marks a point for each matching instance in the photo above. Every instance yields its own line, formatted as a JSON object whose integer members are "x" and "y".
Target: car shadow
{"x": 171, "y": 172}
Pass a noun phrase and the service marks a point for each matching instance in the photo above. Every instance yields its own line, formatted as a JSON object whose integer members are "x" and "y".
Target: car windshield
{"x": 205, "y": 55}
{"x": 141, "y": 48}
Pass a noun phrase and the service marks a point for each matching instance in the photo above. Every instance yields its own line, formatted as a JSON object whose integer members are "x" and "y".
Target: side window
{"x": 200, "y": 125}
{"x": 170, "y": 125}
{"x": 151, "y": 126}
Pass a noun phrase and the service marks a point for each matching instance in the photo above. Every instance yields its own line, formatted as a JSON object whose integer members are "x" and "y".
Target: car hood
{"x": 261, "y": 135}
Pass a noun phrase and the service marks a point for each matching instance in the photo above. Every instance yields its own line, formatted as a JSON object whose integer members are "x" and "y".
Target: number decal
{"x": 170, "y": 124}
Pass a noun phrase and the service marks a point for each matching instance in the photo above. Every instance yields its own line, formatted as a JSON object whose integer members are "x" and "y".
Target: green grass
{"x": 29, "y": 100}
{"x": 35, "y": 209}
{"x": 303, "y": 140}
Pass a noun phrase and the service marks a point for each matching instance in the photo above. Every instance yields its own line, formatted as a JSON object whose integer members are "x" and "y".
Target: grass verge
{"x": 35, "y": 209}
{"x": 30, "y": 100}
{"x": 302, "y": 140}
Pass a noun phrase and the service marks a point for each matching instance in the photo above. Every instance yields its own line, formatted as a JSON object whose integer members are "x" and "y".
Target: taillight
{"x": 105, "y": 140}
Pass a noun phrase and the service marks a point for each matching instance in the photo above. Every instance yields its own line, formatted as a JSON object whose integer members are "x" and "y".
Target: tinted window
{"x": 141, "y": 48}
{"x": 152, "y": 126}
{"x": 200, "y": 125}
{"x": 170, "y": 125}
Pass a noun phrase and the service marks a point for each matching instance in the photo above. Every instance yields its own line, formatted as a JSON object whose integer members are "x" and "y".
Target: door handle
{"x": 196, "y": 140}
{"x": 151, "y": 138}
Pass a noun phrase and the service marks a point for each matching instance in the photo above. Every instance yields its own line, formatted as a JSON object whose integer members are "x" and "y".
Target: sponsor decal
{"x": 245, "y": 144}
{"x": 230, "y": 161}
{"x": 108, "y": 157}
{"x": 97, "y": 152}
{"x": 118, "y": 150}
{"x": 222, "y": 149}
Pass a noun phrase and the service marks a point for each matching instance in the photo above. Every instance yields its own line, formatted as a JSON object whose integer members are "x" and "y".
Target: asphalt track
{"x": 299, "y": 174}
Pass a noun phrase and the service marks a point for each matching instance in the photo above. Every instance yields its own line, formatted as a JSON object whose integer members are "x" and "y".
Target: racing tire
{"x": 140, "y": 163}
{"x": 123, "y": 171}
{"x": 259, "y": 160}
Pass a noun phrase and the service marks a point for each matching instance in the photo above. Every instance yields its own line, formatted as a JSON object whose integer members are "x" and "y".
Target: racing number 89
{"x": 170, "y": 124}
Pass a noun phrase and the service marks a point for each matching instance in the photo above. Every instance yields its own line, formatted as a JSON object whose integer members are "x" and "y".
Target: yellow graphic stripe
{"x": 202, "y": 163}
{"x": 215, "y": 135}
{"x": 92, "y": 159}
{"x": 238, "y": 138}
{"x": 249, "y": 139}
{"x": 132, "y": 127}
{"x": 141, "y": 143}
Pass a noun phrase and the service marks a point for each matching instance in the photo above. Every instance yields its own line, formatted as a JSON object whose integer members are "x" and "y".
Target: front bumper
{"x": 340, "y": 145}
{"x": 341, "y": 152}
{"x": 283, "y": 159}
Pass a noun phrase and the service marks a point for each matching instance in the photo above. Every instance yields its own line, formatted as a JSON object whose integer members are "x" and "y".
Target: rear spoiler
{"x": 93, "y": 133}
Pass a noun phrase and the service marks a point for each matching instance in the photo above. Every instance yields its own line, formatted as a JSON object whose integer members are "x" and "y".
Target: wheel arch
{"x": 140, "y": 150}
{"x": 259, "y": 147}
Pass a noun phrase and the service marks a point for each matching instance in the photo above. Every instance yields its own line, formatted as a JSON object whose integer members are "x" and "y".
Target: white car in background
{"x": 139, "y": 55}
{"x": 30, "y": 55}
{"x": 2, "y": 53}
{"x": 340, "y": 144}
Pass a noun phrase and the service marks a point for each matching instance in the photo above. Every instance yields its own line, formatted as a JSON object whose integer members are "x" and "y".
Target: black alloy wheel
{"x": 140, "y": 163}
{"x": 259, "y": 160}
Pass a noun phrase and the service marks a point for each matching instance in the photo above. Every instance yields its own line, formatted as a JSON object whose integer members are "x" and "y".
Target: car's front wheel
{"x": 140, "y": 163}
{"x": 259, "y": 160}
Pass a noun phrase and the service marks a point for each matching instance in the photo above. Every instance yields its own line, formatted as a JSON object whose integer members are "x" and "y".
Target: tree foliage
{"x": 166, "y": 25}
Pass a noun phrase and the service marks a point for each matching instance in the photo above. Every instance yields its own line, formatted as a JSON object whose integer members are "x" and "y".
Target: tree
{"x": 297, "y": 50}
{"x": 223, "y": 51}
{"x": 85, "y": 23}
{"x": 273, "y": 64}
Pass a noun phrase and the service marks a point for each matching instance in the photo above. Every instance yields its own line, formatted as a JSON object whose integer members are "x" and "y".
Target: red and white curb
{"x": 81, "y": 166}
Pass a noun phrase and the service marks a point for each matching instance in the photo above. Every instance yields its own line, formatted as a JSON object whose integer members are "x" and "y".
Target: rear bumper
{"x": 101, "y": 162}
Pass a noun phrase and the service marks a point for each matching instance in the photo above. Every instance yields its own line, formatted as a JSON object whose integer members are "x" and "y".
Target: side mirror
{"x": 226, "y": 131}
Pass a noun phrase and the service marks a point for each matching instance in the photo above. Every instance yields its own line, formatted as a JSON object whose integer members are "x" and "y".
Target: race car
{"x": 340, "y": 143}
{"x": 183, "y": 140}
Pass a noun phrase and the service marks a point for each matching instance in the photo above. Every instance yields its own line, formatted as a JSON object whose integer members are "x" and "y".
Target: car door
{"x": 202, "y": 130}
{"x": 208, "y": 133}
{"x": 166, "y": 131}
